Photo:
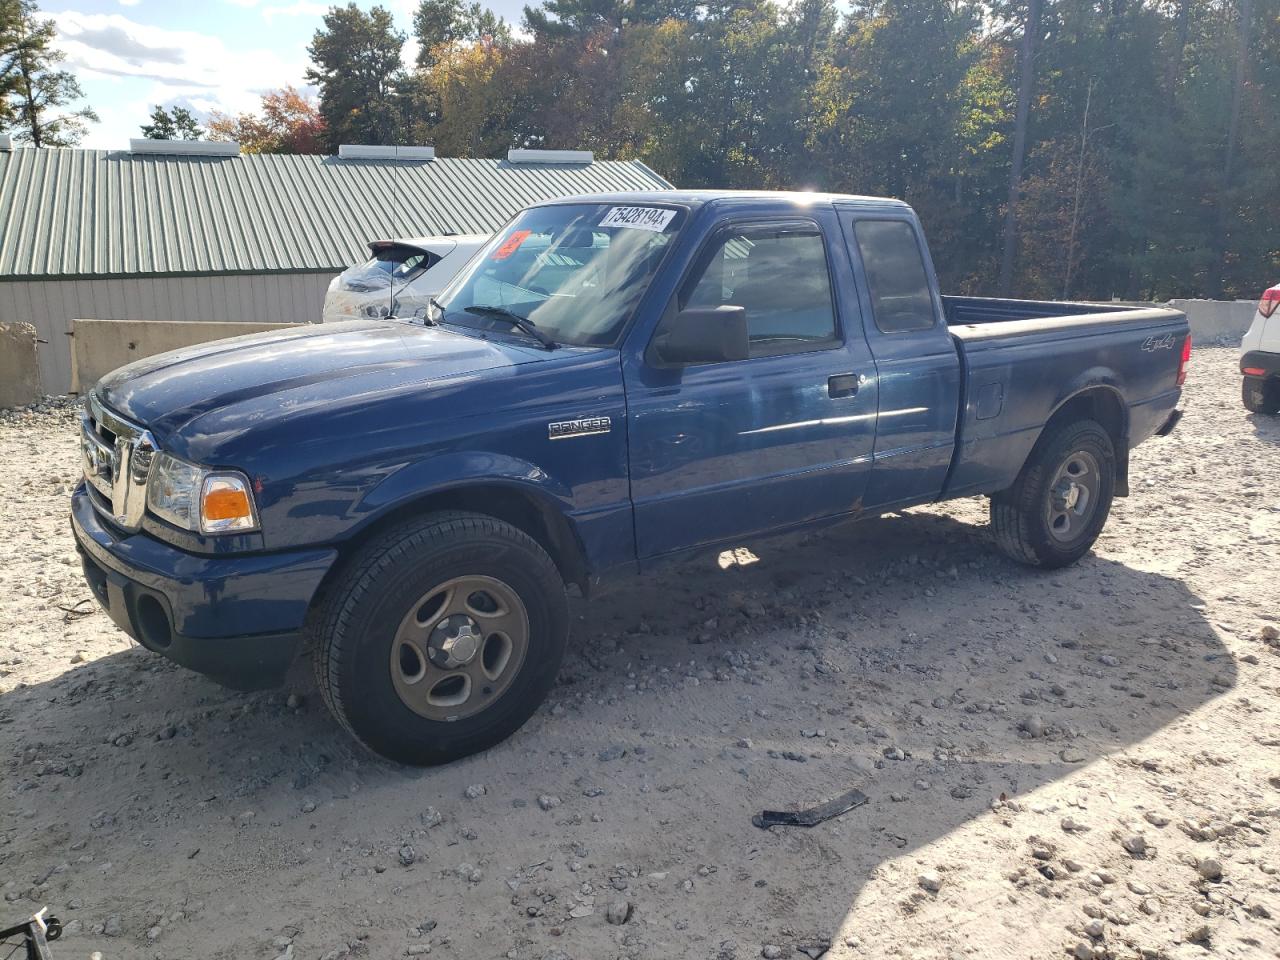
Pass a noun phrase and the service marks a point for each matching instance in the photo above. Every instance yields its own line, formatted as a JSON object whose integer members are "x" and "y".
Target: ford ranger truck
{"x": 612, "y": 381}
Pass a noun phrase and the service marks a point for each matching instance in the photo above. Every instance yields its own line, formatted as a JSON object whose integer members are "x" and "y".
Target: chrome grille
{"x": 117, "y": 457}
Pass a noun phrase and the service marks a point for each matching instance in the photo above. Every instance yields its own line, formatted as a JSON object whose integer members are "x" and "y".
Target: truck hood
{"x": 282, "y": 370}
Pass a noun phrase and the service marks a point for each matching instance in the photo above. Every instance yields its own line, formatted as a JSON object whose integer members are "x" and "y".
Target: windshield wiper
{"x": 523, "y": 323}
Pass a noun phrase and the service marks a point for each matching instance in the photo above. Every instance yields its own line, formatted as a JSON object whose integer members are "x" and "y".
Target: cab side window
{"x": 900, "y": 296}
{"x": 779, "y": 275}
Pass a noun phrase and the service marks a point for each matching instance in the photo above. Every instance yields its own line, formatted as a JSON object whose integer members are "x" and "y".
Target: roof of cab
{"x": 699, "y": 198}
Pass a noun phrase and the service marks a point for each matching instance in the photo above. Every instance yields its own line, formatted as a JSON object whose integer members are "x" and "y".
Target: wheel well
{"x": 1105, "y": 406}
{"x": 524, "y": 511}
{"x": 1099, "y": 403}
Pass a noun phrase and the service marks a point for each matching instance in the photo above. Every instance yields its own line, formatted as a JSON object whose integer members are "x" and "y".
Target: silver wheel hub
{"x": 455, "y": 642}
{"x": 1073, "y": 497}
{"x": 459, "y": 647}
{"x": 1066, "y": 496}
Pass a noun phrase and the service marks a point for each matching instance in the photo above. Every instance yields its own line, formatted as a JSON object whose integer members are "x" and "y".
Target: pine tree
{"x": 439, "y": 23}
{"x": 356, "y": 64}
{"x": 175, "y": 124}
{"x": 1026, "y": 85}
{"x": 36, "y": 97}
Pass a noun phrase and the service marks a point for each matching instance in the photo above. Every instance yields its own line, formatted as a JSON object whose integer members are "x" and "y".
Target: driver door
{"x": 726, "y": 449}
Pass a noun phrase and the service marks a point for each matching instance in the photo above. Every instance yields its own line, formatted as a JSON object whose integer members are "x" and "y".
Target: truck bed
{"x": 975, "y": 311}
{"x": 975, "y": 319}
{"x": 1014, "y": 354}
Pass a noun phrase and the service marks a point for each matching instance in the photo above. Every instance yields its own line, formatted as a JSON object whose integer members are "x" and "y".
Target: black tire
{"x": 371, "y": 600}
{"x": 1023, "y": 517}
{"x": 1261, "y": 395}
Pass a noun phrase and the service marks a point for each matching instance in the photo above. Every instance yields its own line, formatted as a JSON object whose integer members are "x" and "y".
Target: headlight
{"x": 194, "y": 498}
{"x": 171, "y": 492}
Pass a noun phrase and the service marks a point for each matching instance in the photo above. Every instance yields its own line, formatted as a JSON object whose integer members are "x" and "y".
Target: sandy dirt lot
{"x": 1077, "y": 764}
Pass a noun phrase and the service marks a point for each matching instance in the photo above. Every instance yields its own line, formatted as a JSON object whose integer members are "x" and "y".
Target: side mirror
{"x": 704, "y": 335}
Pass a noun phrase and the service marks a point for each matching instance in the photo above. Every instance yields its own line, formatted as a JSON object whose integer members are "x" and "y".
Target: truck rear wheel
{"x": 1057, "y": 507}
{"x": 441, "y": 637}
{"x": 1261, "y": 395}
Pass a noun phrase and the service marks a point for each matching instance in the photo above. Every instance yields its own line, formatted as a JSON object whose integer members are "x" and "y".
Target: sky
{"x": 132, "y": 55}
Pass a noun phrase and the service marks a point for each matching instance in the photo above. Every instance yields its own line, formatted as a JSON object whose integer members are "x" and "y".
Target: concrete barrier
{"x": 100, "y": 346}
{"x": 1211, "y": 319}
{"x": 19, "y": 366}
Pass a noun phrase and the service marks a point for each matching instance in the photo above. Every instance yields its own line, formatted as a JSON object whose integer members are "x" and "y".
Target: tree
{"x": 10, "y": 12}
{"x": 474, "y": 102}
{"x": 1233, "y": 145}
{"x": 36, "y": 98}
{"x": 1121, "y": 147}
{"x": 913, "y": 104}
{"x": 175, "y": 124}
{"x": 562, "y": 18}
{"x": 443, "y": 23}
{"x": 356, "y": 64}
{"x": 289, "y": 122}
{"x": 1026, "y": 83}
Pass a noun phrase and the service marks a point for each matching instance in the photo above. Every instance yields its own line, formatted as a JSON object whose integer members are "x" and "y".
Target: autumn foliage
{"x": 1149, "y": 170}
{"x": 289, "y": 122}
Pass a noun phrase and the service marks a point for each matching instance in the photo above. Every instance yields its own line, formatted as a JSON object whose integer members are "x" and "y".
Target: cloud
{"x": 158, "y": 78}
{"x": 112, "y": 45}
{"x": 151, "y": 65}
{"x": 115, "y": 40}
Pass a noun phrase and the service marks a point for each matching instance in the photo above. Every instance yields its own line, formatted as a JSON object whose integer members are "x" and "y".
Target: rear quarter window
{"x": 901, "y": 299}
{"x": 389, "y": 266}
{"x": 401, "y": 263}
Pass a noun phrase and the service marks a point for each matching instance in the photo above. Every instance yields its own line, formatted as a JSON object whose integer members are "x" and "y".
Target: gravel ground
{"x": 1077, "y": 764}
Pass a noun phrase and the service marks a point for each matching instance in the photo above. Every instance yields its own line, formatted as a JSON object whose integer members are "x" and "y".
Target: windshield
{"x": 575, "y": 270}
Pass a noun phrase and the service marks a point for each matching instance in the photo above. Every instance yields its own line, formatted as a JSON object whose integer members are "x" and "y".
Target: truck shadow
{"x": 899, "y": 656}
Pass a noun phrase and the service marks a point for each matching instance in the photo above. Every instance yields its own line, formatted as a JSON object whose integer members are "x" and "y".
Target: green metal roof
{"x": 102, "y": 213}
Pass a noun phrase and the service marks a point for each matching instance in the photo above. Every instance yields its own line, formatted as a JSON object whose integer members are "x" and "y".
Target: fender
{"x": 1114, "y": 415}
{"x": 442, "y": 472}
{"x": 465, "y": 475}
{"x": 1091, "y": 379}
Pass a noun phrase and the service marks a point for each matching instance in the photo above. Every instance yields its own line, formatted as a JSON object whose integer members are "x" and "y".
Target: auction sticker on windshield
{"x": 511, "y": 245}
{"x": 639, "y": 218}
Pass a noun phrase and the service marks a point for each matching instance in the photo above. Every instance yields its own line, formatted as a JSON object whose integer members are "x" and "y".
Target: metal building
{"x": 198, "y": 231}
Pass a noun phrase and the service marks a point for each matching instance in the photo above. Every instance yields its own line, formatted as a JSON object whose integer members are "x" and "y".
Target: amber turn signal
{"x": 226, "y": 505}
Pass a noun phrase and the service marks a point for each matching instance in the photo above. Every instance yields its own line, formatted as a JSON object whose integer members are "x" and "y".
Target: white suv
{"x": 400, "y": 277}
{"x": 1260, "y": 356}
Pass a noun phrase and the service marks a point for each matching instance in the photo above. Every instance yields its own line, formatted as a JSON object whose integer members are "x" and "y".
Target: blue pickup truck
{"x": 613, "y": 381}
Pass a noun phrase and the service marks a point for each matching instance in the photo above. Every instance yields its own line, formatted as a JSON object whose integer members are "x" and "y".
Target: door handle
{"x": 843, "y": 385}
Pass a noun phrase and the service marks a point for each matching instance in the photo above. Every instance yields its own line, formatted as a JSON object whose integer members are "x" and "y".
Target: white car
{"x": 400, "y": 277}
{"x": 1260, "y": 356}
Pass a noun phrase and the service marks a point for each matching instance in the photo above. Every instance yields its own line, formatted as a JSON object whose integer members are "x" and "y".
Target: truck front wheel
{"x": 1057, "y": 507}
{"x": 441, "y": 637}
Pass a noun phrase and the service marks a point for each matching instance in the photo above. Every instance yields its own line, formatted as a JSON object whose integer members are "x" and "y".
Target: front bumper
{"x": 1268, "y": 363}
{"x": 237, "y": 618}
